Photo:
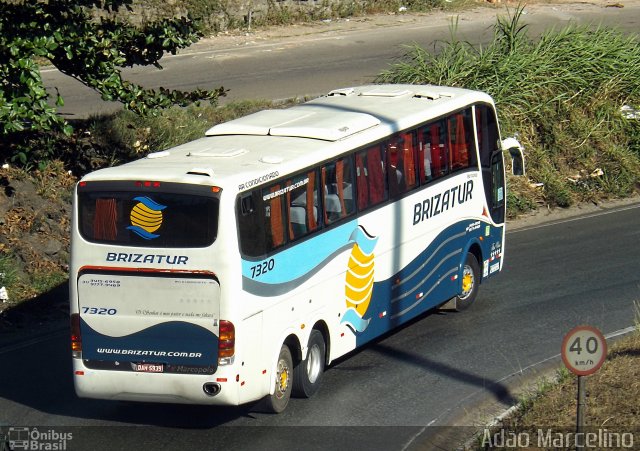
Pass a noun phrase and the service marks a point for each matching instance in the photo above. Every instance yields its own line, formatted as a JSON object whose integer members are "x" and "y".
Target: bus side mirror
{"x": 517, "y": 155}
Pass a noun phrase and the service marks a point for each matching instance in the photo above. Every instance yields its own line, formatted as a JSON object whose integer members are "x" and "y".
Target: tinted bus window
{"x": 253, "y": 226}
{"x": 461, "y": 144}
{"x": 158, "y": 219}
{"x": 370, "y": 177}
{"x": 283, "y": 212}
{"x": 488, "y": 135}
{"x": 491, "y": 161}
{"x": 434, "y": 149}
{"x": 273, "y": 213}
{"x": 338, "y": 190}
{"x": 302, "y": 205}
{"x": 401, "y": 164}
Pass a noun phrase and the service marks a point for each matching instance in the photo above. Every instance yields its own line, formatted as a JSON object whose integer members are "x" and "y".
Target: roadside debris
{"x": 629, "y": 112}
{"x": 597, "y": 172}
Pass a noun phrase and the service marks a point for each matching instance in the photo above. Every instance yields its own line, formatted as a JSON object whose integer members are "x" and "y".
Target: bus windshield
{"x": 162, "y": 217}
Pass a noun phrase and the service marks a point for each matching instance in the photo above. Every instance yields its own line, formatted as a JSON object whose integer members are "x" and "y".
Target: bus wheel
{"x": 470, "y": 283}
{"x": 277, "y": 402}
{"x": 308, "y": 373}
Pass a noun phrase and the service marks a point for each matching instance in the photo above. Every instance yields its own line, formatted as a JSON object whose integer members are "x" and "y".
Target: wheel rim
{"x": 282, "y": 379}
{"x": 467, "y": 282}
{"x": 314, "y": 363}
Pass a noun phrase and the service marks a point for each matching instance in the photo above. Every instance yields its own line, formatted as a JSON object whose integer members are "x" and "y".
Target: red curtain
{"x": 104, "y": 225}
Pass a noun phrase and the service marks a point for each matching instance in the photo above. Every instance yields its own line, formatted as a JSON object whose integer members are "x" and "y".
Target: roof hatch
{"x": 386, "y": 91}
{"x": 342, "y": 92}
{"x": 219, "y": 153}
{"x": 321, "y": 122}
{"x": 161, "y": 154}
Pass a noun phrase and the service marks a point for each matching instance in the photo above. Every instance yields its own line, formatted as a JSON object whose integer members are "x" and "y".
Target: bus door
{"x": 495, "y": 196}
{"x": 491, "y": 161}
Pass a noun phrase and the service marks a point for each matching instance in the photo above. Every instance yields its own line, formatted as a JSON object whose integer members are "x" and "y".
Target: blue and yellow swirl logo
{"x": 359, "y": 280}
{"x": 146, "y": 217}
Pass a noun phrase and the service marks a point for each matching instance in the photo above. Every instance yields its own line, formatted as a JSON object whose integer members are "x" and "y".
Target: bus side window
{"x": 252, "y": 227}
{"x": 395, "y": 172}
{"x": 409, "y": 159}
{"x": 424, "y": 157}
{"x": 273, "y": 213}
{"x": 361, "y": 180}
{"x": 302, "y": 205}
{"x": 370, "y": 173}
{"x": 338, "y": 189}
{"x": 434, "y": 151}
{"x": 462, "y": 154}
{"x": 402, "y": 163}
{"x": 488, "y": 135}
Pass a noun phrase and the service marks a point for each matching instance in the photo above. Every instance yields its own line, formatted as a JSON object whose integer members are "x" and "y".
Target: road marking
{"x": 577, "y": 218}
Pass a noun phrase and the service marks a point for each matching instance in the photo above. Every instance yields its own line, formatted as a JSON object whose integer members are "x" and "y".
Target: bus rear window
{"x": 147, "y": 219}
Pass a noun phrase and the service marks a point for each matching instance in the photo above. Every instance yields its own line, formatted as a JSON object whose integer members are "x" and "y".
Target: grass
{"x": 110, "y": 140}
{"x": 8, "y": 270}
{"x": 21, "y": 285}
{"x": 561, "y": 94}
{"x": 34, "y": 230}
{"x": 612, "y": 395}
{"x": 131, "y": 136}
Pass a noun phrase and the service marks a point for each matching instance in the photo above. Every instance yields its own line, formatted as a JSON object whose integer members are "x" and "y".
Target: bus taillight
{"x": 226, "y": 343}
{"x": 76, "y": 339}
{"x": 147, "y": 184}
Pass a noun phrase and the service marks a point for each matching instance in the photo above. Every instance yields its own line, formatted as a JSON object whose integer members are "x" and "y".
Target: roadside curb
{"x": 581, "y": 210}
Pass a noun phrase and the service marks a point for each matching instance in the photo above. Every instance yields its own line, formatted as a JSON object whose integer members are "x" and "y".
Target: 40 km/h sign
{"x": 584, "y": 350}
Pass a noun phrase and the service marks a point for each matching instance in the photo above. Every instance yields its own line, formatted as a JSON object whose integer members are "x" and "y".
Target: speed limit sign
{"x": 584, "y": 349}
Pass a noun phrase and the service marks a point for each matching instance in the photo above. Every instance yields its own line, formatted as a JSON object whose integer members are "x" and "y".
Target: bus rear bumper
{"x": 154, "y": 387}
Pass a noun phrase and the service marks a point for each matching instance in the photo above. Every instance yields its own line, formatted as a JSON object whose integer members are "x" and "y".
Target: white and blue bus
{"x": 236, "y": 267}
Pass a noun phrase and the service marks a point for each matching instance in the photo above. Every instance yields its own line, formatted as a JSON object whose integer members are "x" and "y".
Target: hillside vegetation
{"x": 562, "y": 95}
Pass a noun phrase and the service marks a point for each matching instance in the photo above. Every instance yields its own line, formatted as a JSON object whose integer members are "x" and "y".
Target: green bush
{"x": 84, "y": 41}
{"x": 562, "y": 94}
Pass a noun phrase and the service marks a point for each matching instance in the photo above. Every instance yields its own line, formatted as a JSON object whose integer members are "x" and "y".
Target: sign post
{"x": 584, "y": 350}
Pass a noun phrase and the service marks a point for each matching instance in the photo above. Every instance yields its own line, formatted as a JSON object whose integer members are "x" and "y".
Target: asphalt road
{"x": 313, "y": 60}
{"x": 557, "y": 275}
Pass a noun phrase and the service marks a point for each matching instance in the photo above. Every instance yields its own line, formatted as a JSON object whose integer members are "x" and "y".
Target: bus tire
{"x": 470, "y": 283}
{"x": 278, "y": 401}
{"x": 307, "y": 374}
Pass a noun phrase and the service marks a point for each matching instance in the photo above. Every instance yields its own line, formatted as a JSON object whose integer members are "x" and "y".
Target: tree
{"x": 85, "y": 40}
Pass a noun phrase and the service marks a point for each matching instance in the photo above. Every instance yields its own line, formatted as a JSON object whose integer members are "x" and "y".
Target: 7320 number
{"x": 99, "y": 311}
{"x": 262, "y": 268}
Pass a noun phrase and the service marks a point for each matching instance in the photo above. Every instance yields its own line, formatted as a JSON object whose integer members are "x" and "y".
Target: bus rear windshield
{"x": 147, "y": 218}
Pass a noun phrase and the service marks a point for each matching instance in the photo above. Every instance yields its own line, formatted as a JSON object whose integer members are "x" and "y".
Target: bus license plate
{"x": 149, "y": 368}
